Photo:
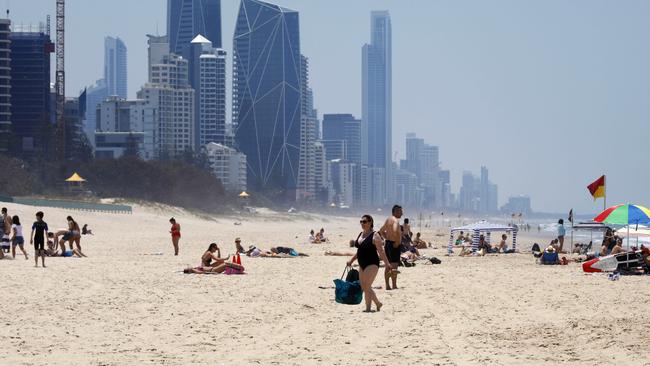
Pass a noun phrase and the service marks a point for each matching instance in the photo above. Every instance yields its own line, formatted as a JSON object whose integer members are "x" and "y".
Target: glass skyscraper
{"x": 187, "y": 19}
{"x": 377, "y": 97}
{"x": 115, "y": 66}
{"x": 5, "y": 85}
{"x": 267, "y": 94}
{"x": 31, "y": 112}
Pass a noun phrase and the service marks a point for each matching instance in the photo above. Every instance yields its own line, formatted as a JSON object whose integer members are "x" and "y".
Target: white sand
{"x": 123, "y": 307}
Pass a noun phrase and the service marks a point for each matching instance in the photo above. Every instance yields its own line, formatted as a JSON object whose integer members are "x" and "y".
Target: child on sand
{"x": 37, "y": 237}
{"x": 17, "y": 239}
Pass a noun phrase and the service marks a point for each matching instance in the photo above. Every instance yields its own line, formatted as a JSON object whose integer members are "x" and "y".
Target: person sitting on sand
{"x": 312, "y": 237}
{"x": 323, "y": 238}
{"x": 483, "y": 246}
{"x": 208, "y": 259}
{"x": 51, "y": 250}
{"x": 614, "y": 246}
{"x": 502, "y": 246}
{"x": 419, "y": 243}
{"x": 238, "y": 247}
{"x": 207, "y": 266}
{"x": 460, "y": 239}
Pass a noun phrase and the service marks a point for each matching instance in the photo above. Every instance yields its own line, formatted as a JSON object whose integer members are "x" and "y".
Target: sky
{"x": 548, "y": 94}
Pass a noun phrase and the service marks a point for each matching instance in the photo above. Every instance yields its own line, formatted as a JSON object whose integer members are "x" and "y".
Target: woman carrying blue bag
{"x": 370, "y": 248}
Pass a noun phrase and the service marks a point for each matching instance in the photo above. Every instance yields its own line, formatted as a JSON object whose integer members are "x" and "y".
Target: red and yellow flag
{"x": 597, "y": 188}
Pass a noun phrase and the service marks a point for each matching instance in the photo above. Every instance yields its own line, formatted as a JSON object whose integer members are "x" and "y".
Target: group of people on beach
{"x": 40, "y": 235}
{"x": 390, "y": 244}
{"x": 484, "y": 247}
{"x": 317, "y": 238}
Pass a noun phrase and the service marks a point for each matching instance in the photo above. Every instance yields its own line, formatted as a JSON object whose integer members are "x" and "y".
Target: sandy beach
{"x": 127, "y": 304}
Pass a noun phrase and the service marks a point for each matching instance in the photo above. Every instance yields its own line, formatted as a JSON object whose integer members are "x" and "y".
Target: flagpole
{"x": 572, "y": 220}
{"x": 604, "y": 193}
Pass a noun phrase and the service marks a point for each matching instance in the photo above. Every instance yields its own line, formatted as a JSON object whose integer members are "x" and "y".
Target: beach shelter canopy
{"x": 484, "y": 227}
{"x": 244, "y": 194}
{"x": 75, "y": 178}
{"x": 479, "y": 228}
{"x": 590, "y": 226}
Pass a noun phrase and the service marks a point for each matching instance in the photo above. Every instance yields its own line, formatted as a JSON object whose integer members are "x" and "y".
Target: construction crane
{"x": 60, "y": 80}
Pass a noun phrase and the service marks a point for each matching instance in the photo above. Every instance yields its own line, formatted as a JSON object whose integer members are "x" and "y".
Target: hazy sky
{"x": 548, "y": 94}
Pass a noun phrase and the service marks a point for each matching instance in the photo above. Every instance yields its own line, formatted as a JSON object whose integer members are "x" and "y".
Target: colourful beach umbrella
{"x": 624, "y": 215}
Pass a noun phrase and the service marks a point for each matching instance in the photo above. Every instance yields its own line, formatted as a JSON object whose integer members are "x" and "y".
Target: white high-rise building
{"x": 170, "y": 94}
{"x": 122, "y": 122}
{"x": 321, "y": 172}
{"x": 207, "y": 75}
{"x": 341, "y": 175}
{"x": 372, "y": 183}
{"x": 308, "y": 136}
{"x": 228, "y": 165}
{"x": 158, "y": 49}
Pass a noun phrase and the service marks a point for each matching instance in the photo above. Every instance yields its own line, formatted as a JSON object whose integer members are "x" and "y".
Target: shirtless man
{"x": 392, "y": 234}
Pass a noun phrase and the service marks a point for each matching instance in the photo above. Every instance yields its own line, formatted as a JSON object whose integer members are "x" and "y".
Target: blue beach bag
{"x": 348, "y": 293}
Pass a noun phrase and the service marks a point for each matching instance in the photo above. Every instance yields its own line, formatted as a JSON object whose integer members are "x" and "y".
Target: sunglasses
{"x": 364, "y": 221}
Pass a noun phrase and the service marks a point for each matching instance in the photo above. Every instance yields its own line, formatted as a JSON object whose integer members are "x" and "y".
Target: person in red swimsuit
{"x": 176, "y": 234}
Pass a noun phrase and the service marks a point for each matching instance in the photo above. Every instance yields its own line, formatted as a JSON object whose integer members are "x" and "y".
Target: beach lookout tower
{"x": 75, "y": 183}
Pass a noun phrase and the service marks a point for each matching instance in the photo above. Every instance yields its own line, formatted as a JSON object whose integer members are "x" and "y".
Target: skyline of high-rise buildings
{"x": 274, "y": 127}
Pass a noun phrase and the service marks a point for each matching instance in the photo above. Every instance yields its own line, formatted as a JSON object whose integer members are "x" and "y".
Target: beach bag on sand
{"x": 348, "y": 293}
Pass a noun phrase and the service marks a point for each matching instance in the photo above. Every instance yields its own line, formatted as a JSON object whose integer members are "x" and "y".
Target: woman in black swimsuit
{"x": 370, "y": 248}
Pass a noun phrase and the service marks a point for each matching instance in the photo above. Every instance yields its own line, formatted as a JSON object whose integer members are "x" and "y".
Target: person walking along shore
{"x": 369, "y": 250}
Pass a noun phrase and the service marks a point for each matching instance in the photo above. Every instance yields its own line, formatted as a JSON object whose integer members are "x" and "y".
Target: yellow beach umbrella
{"x": 75, "y": 178}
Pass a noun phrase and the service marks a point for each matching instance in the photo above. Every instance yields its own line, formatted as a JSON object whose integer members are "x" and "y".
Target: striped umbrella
{"x": 625, "y": 215}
